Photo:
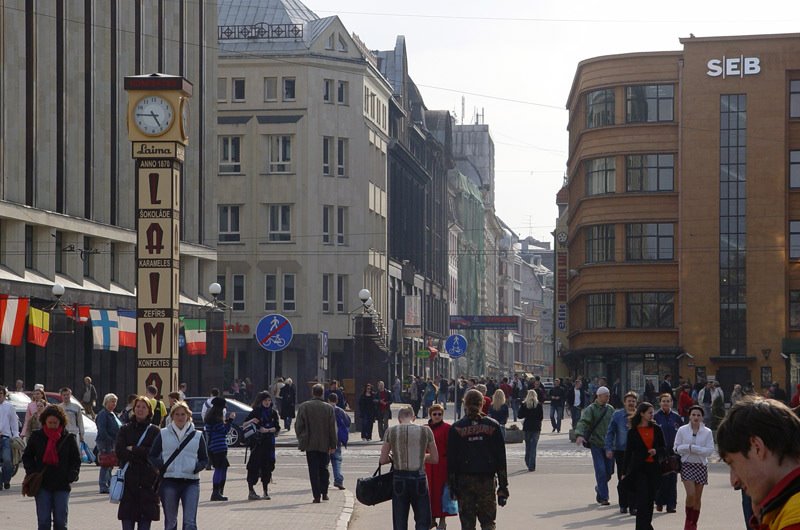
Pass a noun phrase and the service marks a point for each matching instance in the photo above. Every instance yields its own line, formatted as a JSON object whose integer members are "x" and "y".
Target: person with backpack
{"x": 159, "y": 409}
{"x": 262, "y": 444}
{"x": 343, "y": 436}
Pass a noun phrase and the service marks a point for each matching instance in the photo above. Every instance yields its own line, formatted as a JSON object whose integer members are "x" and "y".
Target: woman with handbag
{"x": 641, "y": 471}
{"x": 670, "y": 422}
{"x": 52, "y": 462}
{"x": 262, "y": 455}
{"x": 695, "y": 443}
{"x": 217, "y": 431}
{"x": 366, "y": 409}
{"x": 139, "y": 504}
{"x": 437, "y": 473}
{"x": 531, "y": 414}
{"x": 108, "y": 426}
{"x": 179, "y": 453}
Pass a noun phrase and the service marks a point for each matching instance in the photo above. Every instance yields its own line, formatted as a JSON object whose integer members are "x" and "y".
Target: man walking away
{"x": 315, "y": 427}
{"x": 556, "y": 405}
{"x": 616, "y": 442}
{"x": 591, "y": 428}
{"x": 343, "y": 436}
{"x": 409, "y": 447}
{"x": 9, "y": 429}
{"x": 74, "y": 416}
{"x": 476, "y": 454}
{"x": 414, "y": 394}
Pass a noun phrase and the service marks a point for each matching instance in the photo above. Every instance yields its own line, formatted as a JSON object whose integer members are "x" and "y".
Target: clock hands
{"x": 150, "y": 115}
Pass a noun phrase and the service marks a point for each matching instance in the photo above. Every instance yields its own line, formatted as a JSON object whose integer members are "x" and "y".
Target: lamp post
{"x": 360, "y": 345}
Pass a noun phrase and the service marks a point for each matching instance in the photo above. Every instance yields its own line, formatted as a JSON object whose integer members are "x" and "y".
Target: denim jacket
{"x": 617, "y": 434}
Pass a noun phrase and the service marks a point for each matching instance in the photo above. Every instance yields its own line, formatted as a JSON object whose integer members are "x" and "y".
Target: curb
{"x": 347, "y": 511}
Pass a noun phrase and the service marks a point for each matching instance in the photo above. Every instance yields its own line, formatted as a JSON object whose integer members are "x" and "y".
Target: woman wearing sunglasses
{"x": 437, "y": 473}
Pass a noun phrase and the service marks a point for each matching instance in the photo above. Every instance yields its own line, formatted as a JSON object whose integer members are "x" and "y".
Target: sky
{"x": 514, "y": 62}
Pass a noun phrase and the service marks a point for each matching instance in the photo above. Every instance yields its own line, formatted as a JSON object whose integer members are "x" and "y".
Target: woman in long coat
{"x": 288, "y": 402}
{"x": 437, "y": 473}
{"x": 262, "y": 455}
{"x": 366, "y": 409}
{"x": 140, "y": 503}
{"x": 641, "y": 472}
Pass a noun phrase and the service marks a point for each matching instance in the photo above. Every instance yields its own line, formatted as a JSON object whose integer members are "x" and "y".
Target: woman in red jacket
{"x": 437, "y": 473}
{"x": 685, "y": 401}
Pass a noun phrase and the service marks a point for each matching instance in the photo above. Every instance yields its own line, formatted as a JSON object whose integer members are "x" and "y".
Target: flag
{"x": 195, "y": 331}
{"x": 38, "y": 327}
{"x": 127, "y": 328}
{"x": 78, "y": 313}
{"x": 12, "y": 317}
{"x": 105, "y": 329}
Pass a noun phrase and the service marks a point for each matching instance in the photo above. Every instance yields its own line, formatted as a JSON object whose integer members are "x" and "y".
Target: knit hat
{"x": 603, "y": 390}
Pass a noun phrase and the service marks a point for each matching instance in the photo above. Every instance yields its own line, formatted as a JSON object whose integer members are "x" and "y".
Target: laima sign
{"x": 734, "y": 66}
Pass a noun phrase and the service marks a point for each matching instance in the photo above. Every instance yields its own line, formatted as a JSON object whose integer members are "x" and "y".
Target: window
{"x": 280, "y": 216}
{"x": 649, "y": 103}
{"x": 288, "y": 88}
{"x": 329, "y": 42}
{"x": 59, "y": 251}
{"x": 341, "y": 157}
{"x": 600, "y": 309}
{"x": 600, "y": 243}
{"x": 228, "y": 223}
{"x": 794, "y": 99}
{"x": 327, "y": 90}
{"x": 600, "y": 176}
{"x": 237, "y": 91}
{"x": 649, "y": 241}
{"x": 794, "y": 240}
{"x": 270, "y": 292}
{"x": 327, "y": 223}
{"x": 342, "y": 47}
{"x": 794, "y": 309}
{"x": 342, "y": 89}
{"x": 270, "y": 89}
{"x": 341, "y": 289}
{"x": 280, "y": 153}
{"x": 341, "y": 224}
{"x": 794, "y": 169}
{"x": 600, "y": 108}
{"x": 238, "y": 292}
{"x": 29, "y": 247}
{"x": 230, "y": 154}
{"x": 288, "y": 293}
{"x": 327, "y": 285}
{"x": 222, "y": 89}
{"x": 327, "y": 149}
{"x": 650, "y": 172}
{"x": 221, "y": 282}
{"x": 651, "y": 310}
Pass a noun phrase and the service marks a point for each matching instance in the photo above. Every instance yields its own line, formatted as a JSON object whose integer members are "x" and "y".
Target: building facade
{"x": 683, "y": 224}
{"x": 66, "y": 174}
{"x": 302, "y": 186}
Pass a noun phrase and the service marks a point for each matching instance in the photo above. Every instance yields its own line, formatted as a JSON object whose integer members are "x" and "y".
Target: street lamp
{"x": 214, "y": 290}
{"x": 58, "y": 291}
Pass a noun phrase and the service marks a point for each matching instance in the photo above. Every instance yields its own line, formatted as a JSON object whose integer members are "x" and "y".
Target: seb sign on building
{"x": 738, "y": 66}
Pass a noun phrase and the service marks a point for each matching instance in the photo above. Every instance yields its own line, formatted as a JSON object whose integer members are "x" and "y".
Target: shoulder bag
{"x": 670, "y": 464}
{"x": 586, "y": 443}
{"x": 32, "y": 482}
{"x": 117, "y": 486}
{"x": 375, "y": 489}
{"x": 172, "y": 457}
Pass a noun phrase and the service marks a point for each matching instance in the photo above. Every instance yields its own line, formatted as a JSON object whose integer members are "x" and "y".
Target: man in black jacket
{"x": 476, "y": 454}
{"x": 556, "y": 405}
{"x": 576, "y": 401}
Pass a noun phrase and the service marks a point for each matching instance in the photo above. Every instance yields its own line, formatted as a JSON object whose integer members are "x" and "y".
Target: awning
{"x": 790, "y": 345}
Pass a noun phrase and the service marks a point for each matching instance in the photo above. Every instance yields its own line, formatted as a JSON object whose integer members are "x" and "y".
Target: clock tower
{"x": 157, "y": 129}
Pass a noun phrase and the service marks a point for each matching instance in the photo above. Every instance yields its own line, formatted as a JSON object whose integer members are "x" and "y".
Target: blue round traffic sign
{"x": 274, "y": 332}
{"x": 456, "y": 346}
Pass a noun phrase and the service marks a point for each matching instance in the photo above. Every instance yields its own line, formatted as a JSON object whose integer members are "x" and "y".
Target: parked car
{"x": 54, "y": 398}
{"x": 240, "y": 411}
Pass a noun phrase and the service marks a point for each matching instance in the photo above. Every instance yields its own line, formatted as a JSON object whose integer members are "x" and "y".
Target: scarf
{"x": 51, "y": 452}
{"x": 180, "y": 433}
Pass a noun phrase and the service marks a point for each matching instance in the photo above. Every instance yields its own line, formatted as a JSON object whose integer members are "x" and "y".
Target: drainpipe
{"x": 679, "y": 245}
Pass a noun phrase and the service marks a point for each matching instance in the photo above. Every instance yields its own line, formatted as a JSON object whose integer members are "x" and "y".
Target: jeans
{"x": 5, "y": 456}
{"x": 575, "y": 412}
{"x": 383, "y": 423}
{"x": 531, "y": 441}
{"x": 336, "y": 464}
{"x": 287, "y": 423}
{"x": 104, "y": 482}
{"x": 603, "y": 469}
{"x": 443, "y": 399}
{"x": 318, "y": 472}
{"x": 515, "y": 407}
{"x": 128, "y": 524}
{"x": 556, "y": 415}
{"x": 53, "y": 504}
{"x": 410, "y": 490}
{"x": 186, "y": 492}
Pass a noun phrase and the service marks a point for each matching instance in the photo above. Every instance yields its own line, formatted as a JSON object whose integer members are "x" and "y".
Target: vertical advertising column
{"x": 157, "y": 107}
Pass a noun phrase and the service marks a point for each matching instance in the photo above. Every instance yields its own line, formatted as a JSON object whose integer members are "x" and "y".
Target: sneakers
{"x": 603, "y": 502}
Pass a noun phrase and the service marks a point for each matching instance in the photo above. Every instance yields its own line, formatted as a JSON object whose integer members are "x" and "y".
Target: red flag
{"x": 12, "y": 319}
{"x": 38, "y": 327}
{"x": 82, "y": 312}
{"x": 224, "y": 341}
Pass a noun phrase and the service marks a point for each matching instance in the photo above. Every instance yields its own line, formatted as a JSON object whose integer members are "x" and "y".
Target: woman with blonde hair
{"x": 499, "y": 410}
{"x": 531, "y": 414}
{"x": 32, "y": 411}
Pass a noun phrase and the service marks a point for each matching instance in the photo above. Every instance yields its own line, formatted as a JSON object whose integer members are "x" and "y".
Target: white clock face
{"x": 153, "y": 115}
{"x": 562, "y": 237}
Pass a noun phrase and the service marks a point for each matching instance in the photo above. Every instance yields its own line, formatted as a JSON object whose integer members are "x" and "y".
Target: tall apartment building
{"x": 66, "y": 174}
{"x": 683, "y": 213}
{"x": 302, "y": 184}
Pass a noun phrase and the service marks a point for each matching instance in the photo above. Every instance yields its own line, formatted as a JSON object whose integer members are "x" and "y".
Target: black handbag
{"x": 670, "y": 464}
{"x": 375, "y": 489}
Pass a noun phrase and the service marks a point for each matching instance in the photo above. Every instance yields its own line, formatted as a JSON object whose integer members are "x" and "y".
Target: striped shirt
{"x": 408, "y": 442}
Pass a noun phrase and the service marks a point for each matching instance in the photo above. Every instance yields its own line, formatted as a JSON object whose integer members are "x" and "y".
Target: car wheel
{"x": 234, "y": 436}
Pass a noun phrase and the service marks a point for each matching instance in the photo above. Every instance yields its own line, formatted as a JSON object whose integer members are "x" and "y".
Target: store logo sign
{"x": 733, "y": 66}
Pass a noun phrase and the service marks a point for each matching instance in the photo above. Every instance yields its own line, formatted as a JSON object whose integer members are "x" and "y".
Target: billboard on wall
{"x": 412, "y": 324}
{"x": 484, "y": 322}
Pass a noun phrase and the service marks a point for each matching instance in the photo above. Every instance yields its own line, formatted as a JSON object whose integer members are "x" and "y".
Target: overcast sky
{"x": 515, "y": 61}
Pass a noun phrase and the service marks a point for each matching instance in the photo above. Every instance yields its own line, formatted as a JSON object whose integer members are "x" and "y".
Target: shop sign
{"x": 733, "y": 66}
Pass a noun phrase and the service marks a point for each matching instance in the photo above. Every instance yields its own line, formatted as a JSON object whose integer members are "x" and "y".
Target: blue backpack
{"x": 342, "y": 426}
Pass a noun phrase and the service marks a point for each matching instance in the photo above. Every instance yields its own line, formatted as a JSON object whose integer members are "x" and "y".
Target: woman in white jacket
{"x": 695, "y": 443}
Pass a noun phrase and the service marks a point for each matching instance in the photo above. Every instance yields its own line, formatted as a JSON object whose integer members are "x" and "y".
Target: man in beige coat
{"x": 315, "y": 426}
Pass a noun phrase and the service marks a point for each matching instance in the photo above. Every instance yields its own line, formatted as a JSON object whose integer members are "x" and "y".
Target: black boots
{"x": 266, "y": 496}
{"x": 252, "y": 495}
{"x": 216, "y": 494}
